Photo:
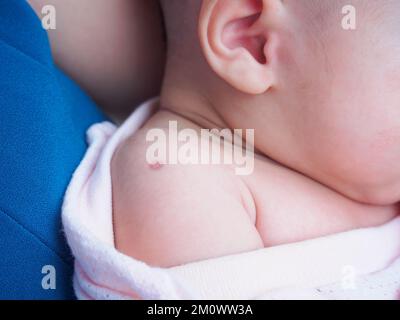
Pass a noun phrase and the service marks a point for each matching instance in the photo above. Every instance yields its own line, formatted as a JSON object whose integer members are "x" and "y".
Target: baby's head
{"x": 323, "y": 100}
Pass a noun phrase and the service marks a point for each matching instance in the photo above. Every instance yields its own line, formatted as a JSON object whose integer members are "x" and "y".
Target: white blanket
{"x": 361, "y": 264}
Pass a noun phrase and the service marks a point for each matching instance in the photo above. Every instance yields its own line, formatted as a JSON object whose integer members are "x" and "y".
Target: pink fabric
{"x": 312, "y": 269}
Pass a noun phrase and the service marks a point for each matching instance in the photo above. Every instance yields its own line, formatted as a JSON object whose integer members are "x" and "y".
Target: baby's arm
{"x": 113, "y": 49}
{"x": 177, "y": 214}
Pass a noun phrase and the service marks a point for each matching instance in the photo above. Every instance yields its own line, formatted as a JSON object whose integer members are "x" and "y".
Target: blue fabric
{"x": 43, "y": 120}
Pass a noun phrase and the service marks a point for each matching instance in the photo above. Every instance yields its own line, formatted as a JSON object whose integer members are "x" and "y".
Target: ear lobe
{"x": 236, "y": 42}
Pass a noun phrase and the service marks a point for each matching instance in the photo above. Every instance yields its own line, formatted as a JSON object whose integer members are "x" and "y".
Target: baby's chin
{"x": 358, "y": 170}
{"x": 378, "y": 195}
{"x": 379, "y": 188}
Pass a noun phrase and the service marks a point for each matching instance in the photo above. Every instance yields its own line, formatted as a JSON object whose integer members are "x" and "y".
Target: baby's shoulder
{"x": 172, "y": 213}
{"x": 166, "y": 153}
{"x": 149, "y": 159}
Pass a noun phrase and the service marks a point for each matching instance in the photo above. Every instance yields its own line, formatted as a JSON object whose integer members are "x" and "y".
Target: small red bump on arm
{"x": 155, "y": 166}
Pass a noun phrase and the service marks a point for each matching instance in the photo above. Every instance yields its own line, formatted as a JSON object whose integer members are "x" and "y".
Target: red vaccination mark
{"x": 155, "y": 166}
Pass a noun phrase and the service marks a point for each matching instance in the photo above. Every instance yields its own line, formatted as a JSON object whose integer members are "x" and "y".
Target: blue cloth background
{"x": 43, "y": 120}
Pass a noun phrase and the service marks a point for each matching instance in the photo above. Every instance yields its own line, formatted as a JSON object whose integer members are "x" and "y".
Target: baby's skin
{"x": 168, "y": 215}
{"x": 324, "y": 103}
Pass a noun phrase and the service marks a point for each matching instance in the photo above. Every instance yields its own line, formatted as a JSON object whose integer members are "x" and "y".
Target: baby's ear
{"x": 238, "y": 41}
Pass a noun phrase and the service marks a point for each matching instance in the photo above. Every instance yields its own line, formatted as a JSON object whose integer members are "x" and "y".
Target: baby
{"x": 325, "y": 108}
{"x": 323, "y": 190}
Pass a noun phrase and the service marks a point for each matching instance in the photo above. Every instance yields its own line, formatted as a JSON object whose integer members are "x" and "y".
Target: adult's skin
{"x": 113, "y": 49}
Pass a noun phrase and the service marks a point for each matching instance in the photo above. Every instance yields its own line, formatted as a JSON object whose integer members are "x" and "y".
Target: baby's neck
{"x": 187, "y": 102}
{"x": 192, "y": 107}
{"x": 340, "y": 213}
